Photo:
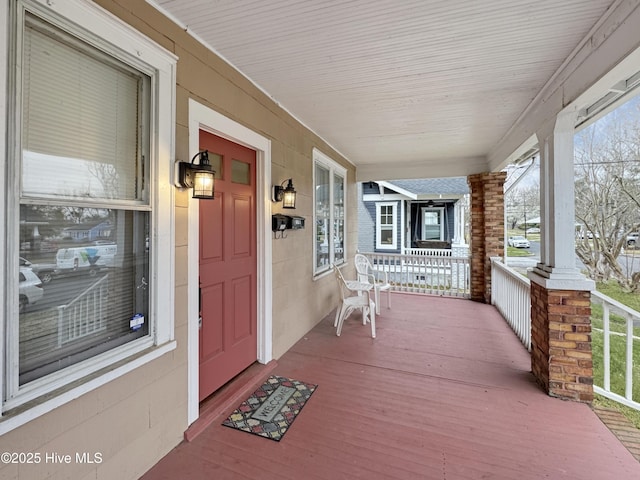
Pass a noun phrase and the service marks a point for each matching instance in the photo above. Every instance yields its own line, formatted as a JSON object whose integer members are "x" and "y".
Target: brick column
{"x": 561, "y": 359}
{"x": 487, "y": 229}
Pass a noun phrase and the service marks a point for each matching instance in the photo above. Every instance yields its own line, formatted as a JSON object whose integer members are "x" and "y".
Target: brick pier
{"x": 487, "y": 230}
{"x": 561, "y": 358}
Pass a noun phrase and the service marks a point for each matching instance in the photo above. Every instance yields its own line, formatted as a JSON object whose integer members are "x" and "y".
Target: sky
{"x": 630, "y": 108}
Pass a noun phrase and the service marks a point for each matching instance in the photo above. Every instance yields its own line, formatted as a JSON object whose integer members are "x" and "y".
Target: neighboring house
{"x": 529, "y": 222}
{"x": 88, "y": 232}
{"x": 395, "y": 216}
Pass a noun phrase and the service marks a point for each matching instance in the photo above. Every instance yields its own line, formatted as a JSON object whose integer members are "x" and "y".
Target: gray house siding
{"x": 366, "y": 222}
{"x": 369, "y": 188}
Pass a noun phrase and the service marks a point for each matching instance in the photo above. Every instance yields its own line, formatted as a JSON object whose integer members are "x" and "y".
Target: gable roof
{"x": 432, "y": 186}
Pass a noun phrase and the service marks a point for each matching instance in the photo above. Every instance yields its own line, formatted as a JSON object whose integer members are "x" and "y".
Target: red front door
{"x": 228, "y": 265}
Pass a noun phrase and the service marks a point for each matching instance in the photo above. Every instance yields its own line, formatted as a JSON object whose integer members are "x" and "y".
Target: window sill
{"x": 23, "y": 414}
{"x": 329, "y": 271}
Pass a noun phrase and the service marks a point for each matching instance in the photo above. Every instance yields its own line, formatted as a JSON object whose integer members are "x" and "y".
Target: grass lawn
{"x": 518, "y": 252}
{"x": 618, "y": 351}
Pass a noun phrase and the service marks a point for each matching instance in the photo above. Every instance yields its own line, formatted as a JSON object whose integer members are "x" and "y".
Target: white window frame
{"x": 114, "y": 37}
{"x": 394, "y": 226}
{"x": 440, "y": 211}
{"x": 334, "y": 168}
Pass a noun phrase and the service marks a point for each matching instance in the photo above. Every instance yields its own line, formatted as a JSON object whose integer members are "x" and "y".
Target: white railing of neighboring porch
{"x": 631, "y": 319}
{"x": 84, "y": 315}
{"x": 435, "y": 275}
{"x": 428, "y": 252}
{"x": 511, "y": 295}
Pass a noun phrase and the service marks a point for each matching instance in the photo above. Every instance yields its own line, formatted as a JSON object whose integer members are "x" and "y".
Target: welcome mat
{"x": 272, "y": 408}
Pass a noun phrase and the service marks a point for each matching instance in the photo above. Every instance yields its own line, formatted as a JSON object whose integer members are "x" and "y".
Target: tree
{"x": 523, "y": 204}
{"x": 607, "y": 171}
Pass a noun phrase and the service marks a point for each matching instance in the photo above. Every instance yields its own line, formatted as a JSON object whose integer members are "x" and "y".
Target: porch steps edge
{"x": 228, "y": 397}
{"x": 621, "y": 427}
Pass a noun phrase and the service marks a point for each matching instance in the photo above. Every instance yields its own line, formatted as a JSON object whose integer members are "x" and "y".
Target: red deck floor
{"x": 443, "y": 392}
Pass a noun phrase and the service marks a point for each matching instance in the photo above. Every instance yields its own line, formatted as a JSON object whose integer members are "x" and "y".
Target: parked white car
{"x": 589, "y": 234}
{"x": 30, "y": 289}
{"x": 632, "y": 239}
{"x": 533, "y": 230}
{"x": 45, "y": 271}
{"x": 518, "y": 241}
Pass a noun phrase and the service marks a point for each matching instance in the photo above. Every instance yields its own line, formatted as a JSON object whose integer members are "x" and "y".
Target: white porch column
{"x": 557, "y": 207}
{"x": 459, "y": 248}
{"x": 408, "y": 225}
{"x": 458, "y": 238}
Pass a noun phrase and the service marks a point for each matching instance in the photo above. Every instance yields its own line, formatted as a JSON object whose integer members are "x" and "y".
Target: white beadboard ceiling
{"x": 401, "y": 82}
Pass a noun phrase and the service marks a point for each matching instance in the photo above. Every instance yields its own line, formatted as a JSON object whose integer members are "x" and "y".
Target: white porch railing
{"x": 631, "y": 319}
{"x": 85, "y": 314}
{"x": 428, "y": 252}
{"x": 435, "y": 275}
{"x": 511, "y": 295}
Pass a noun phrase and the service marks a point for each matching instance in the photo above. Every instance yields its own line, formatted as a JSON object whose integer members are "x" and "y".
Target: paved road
{"x": 628, "y": 261}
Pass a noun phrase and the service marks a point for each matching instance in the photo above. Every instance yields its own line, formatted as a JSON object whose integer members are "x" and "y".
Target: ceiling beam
{"x": 431, "y": 168}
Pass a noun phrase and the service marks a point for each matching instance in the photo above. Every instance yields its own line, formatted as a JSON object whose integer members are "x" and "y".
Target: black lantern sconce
{"x": 198, "y": 176}
{"x": 285, "y": 195}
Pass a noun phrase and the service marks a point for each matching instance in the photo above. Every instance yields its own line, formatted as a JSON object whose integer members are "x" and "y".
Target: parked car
{"x": 533, "y": 230}
{"x": 632, "y": 239}
{"x": 518, "y": 241}
{"x": 44, "y": 271}
{"x": 30, "y": 288}
{"x": 580, "y": 234}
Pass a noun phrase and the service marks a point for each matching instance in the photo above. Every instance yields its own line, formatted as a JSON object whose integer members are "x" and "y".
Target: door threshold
{"x": 228, "y": 396}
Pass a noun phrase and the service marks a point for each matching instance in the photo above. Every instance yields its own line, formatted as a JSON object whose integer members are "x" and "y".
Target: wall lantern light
{"x": 285, "y": 195}
{"x": 198, "y": 176}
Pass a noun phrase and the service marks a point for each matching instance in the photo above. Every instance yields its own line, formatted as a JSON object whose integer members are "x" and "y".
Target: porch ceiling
{"x": 412, "y": 88}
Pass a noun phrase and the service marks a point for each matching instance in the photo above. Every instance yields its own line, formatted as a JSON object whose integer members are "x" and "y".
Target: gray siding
{"x": 366, "y": 222}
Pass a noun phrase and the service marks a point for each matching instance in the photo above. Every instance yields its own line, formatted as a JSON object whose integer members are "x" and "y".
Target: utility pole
{"x": 524, "y": 207}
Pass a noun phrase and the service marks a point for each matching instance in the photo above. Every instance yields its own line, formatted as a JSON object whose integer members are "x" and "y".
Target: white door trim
{"x": 204, "y": 118}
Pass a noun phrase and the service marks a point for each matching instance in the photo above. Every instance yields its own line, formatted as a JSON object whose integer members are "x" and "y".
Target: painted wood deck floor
{"x": 444, "y": 392}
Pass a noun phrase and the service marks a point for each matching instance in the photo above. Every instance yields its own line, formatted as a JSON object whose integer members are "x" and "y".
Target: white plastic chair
{"x": 380, "y": 281}
{"x": 354, "y": 295}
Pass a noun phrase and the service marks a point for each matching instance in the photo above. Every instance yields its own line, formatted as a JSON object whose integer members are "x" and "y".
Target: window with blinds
{"x": 83, "y": 118}
{"x": 84, "y": 213}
